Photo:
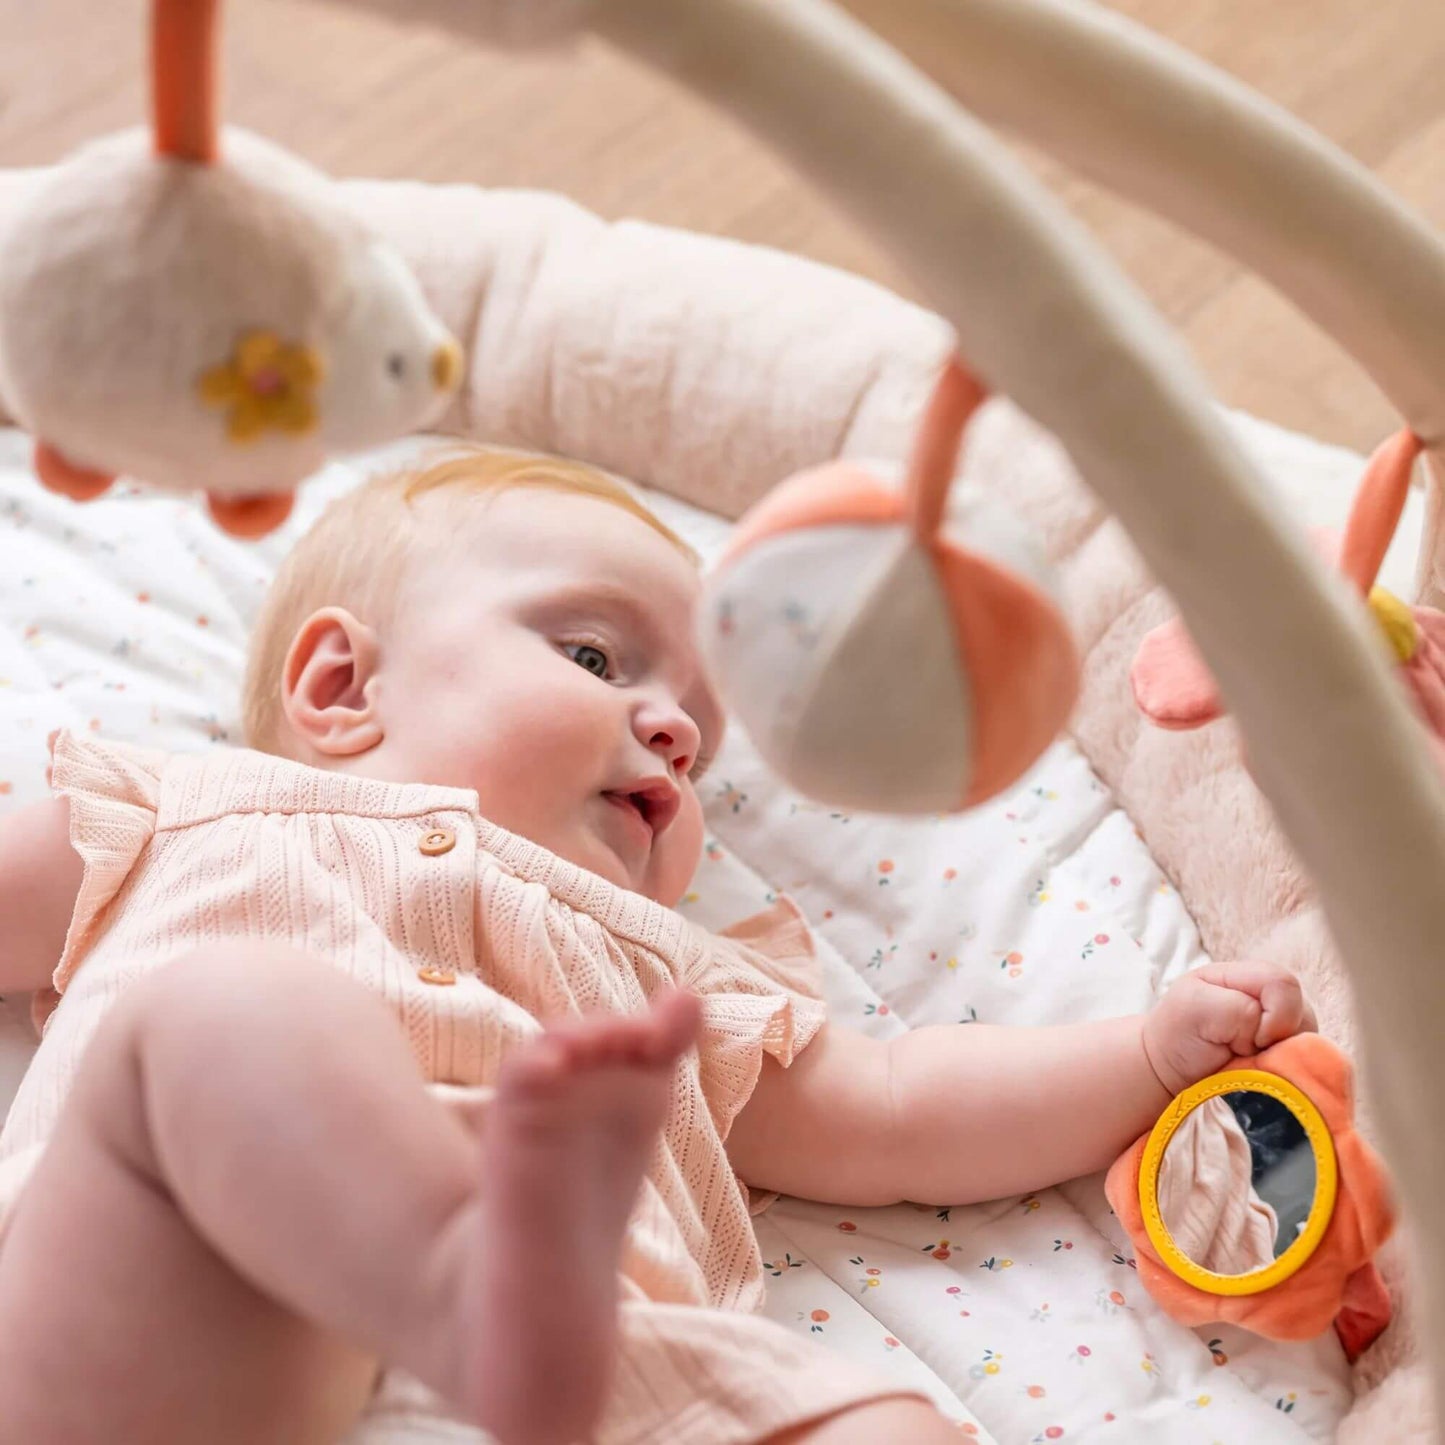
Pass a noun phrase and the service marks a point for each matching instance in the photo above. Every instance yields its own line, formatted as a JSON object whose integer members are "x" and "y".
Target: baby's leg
{"x": 566, "y": 1142}
{"x": 250, "y": 1198}
{"x": 910, "y": 1420}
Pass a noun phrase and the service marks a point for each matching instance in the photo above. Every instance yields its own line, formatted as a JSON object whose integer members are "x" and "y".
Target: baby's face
{"x": 548, "y": 662}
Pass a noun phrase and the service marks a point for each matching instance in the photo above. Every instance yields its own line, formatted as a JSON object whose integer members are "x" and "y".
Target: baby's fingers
{"x": 1231, "y": 1017}
{"x": 1283, "y": 1011}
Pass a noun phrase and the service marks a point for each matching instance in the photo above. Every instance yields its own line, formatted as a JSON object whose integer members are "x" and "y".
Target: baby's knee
{"x": 213, "y": 1026}
{"x": 218, "y": 999}
{"x": 230, "y": 980}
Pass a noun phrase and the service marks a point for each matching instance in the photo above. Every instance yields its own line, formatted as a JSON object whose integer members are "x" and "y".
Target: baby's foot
{"x": 565, "y": 1144}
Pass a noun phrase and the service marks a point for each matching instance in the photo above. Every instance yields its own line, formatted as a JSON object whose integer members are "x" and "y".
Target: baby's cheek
{"x": 676, "y": 858}
{"x": 524, "y": 760}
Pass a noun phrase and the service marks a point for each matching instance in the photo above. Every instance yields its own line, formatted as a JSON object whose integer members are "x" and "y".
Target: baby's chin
{"x": 614, "y": 871}
{"x": 653, "y": 878}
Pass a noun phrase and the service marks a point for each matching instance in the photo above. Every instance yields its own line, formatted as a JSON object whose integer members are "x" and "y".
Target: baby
{"x": 295, "y": 1116}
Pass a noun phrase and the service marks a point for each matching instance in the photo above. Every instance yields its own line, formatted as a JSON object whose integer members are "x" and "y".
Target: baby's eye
{"x": 703, "y": 763}
{"x": 592, "y": 658}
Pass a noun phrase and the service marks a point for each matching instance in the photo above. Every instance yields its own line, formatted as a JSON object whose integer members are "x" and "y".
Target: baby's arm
{"x": 956, "y": 1114}
{"x": 40, "y": 875}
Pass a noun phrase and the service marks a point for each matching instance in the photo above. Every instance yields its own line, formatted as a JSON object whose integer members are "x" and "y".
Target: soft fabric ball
{"x": 876, "y": 670}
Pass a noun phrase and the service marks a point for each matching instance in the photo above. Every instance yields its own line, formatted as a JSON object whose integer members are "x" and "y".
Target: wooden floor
{"x": 359, "y": 96}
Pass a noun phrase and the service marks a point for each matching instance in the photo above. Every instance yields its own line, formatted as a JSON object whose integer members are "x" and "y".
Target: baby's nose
{"x": 446, "y": 365}
{"x": 665, "y": 729}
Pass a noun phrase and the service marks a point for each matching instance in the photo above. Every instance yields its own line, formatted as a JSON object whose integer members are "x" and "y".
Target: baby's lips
{"x": 661, "y": 804}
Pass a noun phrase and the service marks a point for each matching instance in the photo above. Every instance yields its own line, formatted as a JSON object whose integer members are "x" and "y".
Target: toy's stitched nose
{"x": 446, "y": 365}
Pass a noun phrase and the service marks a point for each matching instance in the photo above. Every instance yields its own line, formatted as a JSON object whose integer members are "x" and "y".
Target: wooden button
{"x": 435, "y": 975}
{"x": 438, "y": 841}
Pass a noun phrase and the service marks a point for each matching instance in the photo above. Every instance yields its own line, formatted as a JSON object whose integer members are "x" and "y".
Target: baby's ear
{"x": 327, "y": 690}
{"x": 1172, "y": 686}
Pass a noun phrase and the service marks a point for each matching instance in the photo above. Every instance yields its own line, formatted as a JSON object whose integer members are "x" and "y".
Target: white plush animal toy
{"x": 197, "y": 310}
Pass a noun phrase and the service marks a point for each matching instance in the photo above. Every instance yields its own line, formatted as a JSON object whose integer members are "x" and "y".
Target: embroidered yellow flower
{"x": 266, "y": 383}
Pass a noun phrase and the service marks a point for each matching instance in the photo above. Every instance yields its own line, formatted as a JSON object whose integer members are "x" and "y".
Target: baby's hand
{"x": 1220, "y": 1012}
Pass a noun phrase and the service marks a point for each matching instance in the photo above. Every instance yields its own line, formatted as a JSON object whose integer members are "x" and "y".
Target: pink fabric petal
{"x": 1172, "y": 685}
{"x": 1425, "y": 672}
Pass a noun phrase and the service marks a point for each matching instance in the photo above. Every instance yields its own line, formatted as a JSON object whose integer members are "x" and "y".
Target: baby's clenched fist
{"x": 1218, "y": 1013}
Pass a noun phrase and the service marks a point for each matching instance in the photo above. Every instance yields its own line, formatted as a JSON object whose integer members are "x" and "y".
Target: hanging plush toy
{"x": 894, "y": 649}
{"x": 1174, "y": 688}
{"x": 198, "y": 311}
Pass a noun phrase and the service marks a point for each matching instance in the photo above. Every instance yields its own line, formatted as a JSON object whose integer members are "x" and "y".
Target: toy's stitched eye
{"x": 396, "y": 364}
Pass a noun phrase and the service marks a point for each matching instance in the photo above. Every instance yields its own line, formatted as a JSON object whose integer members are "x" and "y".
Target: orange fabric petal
{"x": 1305, "y": 1304}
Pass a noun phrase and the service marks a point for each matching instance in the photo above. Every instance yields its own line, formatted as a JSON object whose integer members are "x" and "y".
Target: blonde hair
{"x": 358, "y": 551}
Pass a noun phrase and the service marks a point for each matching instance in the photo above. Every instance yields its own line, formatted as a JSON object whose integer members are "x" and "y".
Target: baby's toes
{"x": 601, "y": 1041}
{"x": 536, "y": 1069}
{"x": 673, "y": 1026}
{"x": 636, "y": 1040}
{"x": 651, "y": 1039}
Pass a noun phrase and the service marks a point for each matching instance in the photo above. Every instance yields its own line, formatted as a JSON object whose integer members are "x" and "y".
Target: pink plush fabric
{"x": 1426, "y": 670}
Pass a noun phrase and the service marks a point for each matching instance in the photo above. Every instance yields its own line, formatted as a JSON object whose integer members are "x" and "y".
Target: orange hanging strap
{"x": 1377, "y": 507}
{"x": 955, "y": 398}
{"x": 184, "y": 79}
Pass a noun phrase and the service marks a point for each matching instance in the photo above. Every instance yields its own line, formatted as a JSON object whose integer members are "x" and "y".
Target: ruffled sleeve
{"x": 114, "y": 791}
{"x": 759, "y": 984}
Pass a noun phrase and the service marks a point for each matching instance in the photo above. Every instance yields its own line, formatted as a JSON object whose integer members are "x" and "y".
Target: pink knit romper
{"x": 472, "y": 936}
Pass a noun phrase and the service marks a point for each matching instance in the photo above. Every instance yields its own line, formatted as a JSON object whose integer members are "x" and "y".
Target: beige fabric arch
{"x": 1157, "y": 124}
{"x": 1045, "y": 318}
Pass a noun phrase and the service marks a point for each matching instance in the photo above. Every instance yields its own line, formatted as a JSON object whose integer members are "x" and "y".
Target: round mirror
{"x": 1238, "y": 1182}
